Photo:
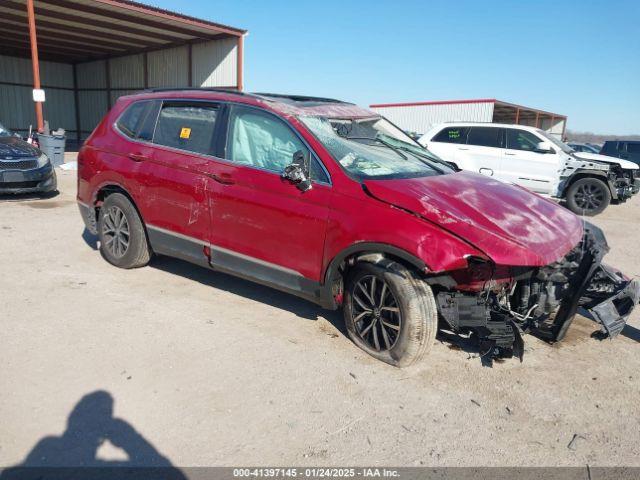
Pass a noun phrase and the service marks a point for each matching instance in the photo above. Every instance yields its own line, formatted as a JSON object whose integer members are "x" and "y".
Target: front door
{"x": 523, "y": 165}
{"x": 262, "y": 226}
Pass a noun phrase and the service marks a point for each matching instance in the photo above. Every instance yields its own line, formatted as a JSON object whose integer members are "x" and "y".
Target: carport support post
{"x": 34, "y": 61}
{"x": 239, "y": 60}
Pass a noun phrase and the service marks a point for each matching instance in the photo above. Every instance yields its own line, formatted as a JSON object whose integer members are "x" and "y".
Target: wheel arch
{"x": 362, "y": 251}
{"x": 582, "y": 173}
{"x": 106, "y": 189}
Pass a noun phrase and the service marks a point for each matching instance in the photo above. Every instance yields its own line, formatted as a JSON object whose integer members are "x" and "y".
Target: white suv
{"x": 534, "y": 159}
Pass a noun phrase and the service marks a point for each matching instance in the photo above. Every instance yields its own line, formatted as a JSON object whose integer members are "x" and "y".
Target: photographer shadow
{"x": 75, "y": 452}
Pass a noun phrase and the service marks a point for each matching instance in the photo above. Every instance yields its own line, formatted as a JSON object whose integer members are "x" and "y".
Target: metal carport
{"x": 87, "y": 53}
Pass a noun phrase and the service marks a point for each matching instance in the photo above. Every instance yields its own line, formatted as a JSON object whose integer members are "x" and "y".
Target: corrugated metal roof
{"x": 498, "y": 104}
{"x": 74, "y": 31}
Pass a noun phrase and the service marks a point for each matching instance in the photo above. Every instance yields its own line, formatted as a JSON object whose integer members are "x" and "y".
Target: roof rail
{"x": 200, "y": 89}
{"x": 302, "y": 98}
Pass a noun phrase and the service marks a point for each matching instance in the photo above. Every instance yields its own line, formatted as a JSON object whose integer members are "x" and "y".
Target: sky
{"x": 577, "y": 58}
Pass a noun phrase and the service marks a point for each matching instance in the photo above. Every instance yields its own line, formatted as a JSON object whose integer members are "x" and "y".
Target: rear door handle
{"x": 510, "y": 154}
{"x": 138, "y": 157}
{"x": 223, "y": 178}
{"x": 460, "y": 148}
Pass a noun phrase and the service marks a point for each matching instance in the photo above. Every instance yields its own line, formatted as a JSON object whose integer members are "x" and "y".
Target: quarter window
{"x": 187, "y": 127}
{"x": 260, "y": 140}
{"x": 523, "y": 140}
{"x": 485, "y": 137}
{"x": 132, "y": 119}
{"x": 452, "y": 135}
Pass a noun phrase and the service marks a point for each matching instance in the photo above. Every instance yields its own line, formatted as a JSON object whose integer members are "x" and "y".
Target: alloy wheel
{"x": 115, "y": 231}
{"x": 376, "y": 314}
{"x": 589, "y": 197}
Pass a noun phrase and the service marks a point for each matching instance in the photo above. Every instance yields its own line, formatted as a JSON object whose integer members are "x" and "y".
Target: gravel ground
{"x": 205, "y": 369}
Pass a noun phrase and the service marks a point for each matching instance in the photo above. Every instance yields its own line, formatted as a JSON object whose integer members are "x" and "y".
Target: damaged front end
{"x": 542, "y": 301}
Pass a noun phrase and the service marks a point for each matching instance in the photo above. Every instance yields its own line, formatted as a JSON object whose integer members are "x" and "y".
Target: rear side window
{"x": 610, "y": 147}
{"x": 485, "y": 137}
{"x": 523, "y": 140}
{"x": 452, "y": 135}
{"x": 132, "y": 119}
{"x": 189, "y": 127}
{"x": 633, "y": 147}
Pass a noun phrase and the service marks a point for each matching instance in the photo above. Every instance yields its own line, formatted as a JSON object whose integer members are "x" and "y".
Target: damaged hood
{"x": 625, "y": 164}
{"x": 14, "y": 148}
{"x": 511, "y": 225}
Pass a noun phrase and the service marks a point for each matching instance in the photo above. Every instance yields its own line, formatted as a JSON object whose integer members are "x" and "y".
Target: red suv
{"x": 333, "y": 203}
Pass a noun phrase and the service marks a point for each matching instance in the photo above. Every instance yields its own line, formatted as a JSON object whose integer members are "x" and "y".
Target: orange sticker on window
{"x": 185, "y": 133}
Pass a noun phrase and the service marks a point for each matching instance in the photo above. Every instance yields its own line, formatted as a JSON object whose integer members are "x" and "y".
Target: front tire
{"x": 588, "y": 196}
{"x": 123, "y": 240}
{"x": 390, "y": 312}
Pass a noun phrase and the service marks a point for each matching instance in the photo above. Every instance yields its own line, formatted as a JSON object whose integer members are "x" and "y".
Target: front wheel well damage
{"x": 339, "y": 268}
{"x": 579, "y": 175}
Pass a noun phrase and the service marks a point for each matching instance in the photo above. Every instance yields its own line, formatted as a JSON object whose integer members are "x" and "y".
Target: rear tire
{"x": 123, "y": 240}
{"x": 588, "y": 196}
{"x": 401, "y": 337}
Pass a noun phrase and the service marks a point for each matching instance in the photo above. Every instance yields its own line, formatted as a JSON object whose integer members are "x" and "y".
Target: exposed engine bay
{"x": 541, "y": 301}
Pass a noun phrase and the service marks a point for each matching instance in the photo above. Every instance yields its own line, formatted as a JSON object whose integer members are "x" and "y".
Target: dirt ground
{"x": 205, "y": 369}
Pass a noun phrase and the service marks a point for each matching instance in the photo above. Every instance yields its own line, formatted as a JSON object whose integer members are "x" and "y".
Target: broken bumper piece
{"x": 613, "y": 311}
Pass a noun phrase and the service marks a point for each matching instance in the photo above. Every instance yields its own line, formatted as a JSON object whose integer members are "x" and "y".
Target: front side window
{"x": 554, "y": 140}
{"x": 452, "y": 135}
{"x": 522, "y": 140}
{"x": 485, "y": 137}
{"x": 132, "y": 119}
{"x": 185, "y": 126}
{"x": 260, "y": 140}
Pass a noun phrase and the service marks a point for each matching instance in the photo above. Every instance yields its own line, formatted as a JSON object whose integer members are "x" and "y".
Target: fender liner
{"x": 331, "y": 273}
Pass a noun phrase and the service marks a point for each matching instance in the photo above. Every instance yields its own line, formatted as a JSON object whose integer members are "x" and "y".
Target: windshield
{"x": 4, "y": 132}
{"x": 553, "y": 139}
{"x": 374, "y": 148}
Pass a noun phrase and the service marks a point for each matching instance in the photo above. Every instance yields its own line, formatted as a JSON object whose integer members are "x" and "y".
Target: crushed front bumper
{"x": 544, "y": 301}
{"x": 608, "y": 295}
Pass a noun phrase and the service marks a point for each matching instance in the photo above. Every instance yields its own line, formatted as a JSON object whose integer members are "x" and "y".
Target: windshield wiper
{"x": 379, "y": 140}
{"x": 429, "y": 161}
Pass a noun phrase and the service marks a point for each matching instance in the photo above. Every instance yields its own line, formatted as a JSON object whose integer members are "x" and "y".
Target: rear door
{"x": 523, "y": 165}
{"x": 483, "y": 151}
{"x": 174, "y": 174}
{"x": 263, "y": 226}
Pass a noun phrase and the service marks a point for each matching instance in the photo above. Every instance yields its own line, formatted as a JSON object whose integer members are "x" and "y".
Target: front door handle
{"x": 510, "y": 154}
{"x": 460, "y": 148}
{"x": 138, "y": 157}
{"x": 223, "y": 178}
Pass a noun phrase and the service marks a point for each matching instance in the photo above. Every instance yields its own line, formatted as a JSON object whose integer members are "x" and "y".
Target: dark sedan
{"x": 24, "y": 168}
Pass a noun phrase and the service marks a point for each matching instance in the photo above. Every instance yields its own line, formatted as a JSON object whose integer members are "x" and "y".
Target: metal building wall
{"x": 213, "y": 64}
{"x": 16, "y": 101}
{"x": 419, "y": 118}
